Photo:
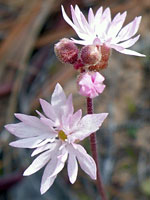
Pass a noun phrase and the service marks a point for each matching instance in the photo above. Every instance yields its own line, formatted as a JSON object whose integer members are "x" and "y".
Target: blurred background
{"x": 29, "y": 70}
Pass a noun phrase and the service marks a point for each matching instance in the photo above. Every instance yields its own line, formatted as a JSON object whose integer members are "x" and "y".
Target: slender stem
{"x": 100, "y": 186}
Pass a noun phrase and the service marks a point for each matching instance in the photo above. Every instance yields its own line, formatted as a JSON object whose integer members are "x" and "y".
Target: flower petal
{"x": 104, "y": 23}
{"x": 58, "y": 96}
{"x": 31, "y": 121}
{"x": 47, "y": 179}
{"x": 75, "y": 119}
{"x": 38, "y": 163}
{"x": 86, "y": 162}
{"x": 72, "y": 168}
{"x": 83, "y": 42}
{"x": 116, "y": 24}
{"x": 27, "y": 142}
{"x": 42, "y": 148}
{"x": 97, "y": 19}
{"x": 76, "y": 18}
{"x": 129, "y": 42}
{"x": 48, "y": 109}
{"x": 49, "y": 124}
{"x": 61, "y": 159}
{"x": 46, "y": 183}
{"x": 79, "y": 30}
{"x": 86, "y": 26}
{"x": 68, "y": 108}
{"x": 66, "y": 18}
{"x": 91, "y": 18}
{"x": 131, "y": 52}
{"x": 88, "y": 124}
{"x": 22, "y": 130}
{"x": 129, "y": 30}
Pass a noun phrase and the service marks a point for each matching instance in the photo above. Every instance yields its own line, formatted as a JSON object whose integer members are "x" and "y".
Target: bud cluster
{"x": 89, "y": 58}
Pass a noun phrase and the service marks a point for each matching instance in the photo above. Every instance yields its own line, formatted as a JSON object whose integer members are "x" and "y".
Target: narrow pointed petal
{"x": 22, "y": 130}
{"x": 41, "y": 149}
{"x": 61, "y": 159}
{"x": 86, "y": 162}
{"x": 27, "y": 142}
{"x": 78, "y": 29}
{"x": 31, "y": 121}
{"x": 68, "y": 108}
{"x": 45, "y": 141}
{"x": 47, "y": 183}
{"x": 116, "y": 24}
{"x": 131, "y": 52}
{"x": 78, "y": 16}
{"x": 76, "y": 19}
{"x": 86, "y": 26}
{"x": 129, "y": 30}
{"x": 105, "y": 20}
{"x": 97, "y": 19}
{"x": 91, "y": 17}
{"x": 66, "y": 18}
{"x": 82, "y": 42}
{"x": 129, "y": 42}
{"x": 72, "y": 168}
{"x": 117, "y": 47}
{"x": 75, "y": 119}
{"x": 49, "y": 124}
{"x": 58, "y": 96}
{"x": 48, "y": 109}
{"x": 38, "y": 163}
{"x": 88, "y": 124}
{"x": 47, "y": 179}
{"x": 99, "y": 13}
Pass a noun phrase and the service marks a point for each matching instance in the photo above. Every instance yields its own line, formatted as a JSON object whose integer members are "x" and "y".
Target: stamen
{"x": 62, "y": 135}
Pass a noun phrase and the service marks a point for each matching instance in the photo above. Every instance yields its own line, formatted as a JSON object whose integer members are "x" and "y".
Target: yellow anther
{"x": 62, "y": 135}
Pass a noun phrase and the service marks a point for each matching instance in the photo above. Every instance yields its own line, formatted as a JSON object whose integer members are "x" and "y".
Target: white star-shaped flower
{"x": 100, "y": 29}
{"x": 55, "y": 137}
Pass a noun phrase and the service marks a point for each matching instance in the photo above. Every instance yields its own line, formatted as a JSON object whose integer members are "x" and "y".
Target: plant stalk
{"x": 93, "y": 144}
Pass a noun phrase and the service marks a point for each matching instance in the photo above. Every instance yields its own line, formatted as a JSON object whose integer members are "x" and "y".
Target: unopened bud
{"x": 66, "y": 51}
{"x": 105, "y": 53}
{"x": 91, "y": 54}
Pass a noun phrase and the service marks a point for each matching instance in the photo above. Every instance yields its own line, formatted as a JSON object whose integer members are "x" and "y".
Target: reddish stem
{"x": 100, "y": 186}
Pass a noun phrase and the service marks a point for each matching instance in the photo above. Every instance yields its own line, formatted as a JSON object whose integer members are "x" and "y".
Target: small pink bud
{"x": 66, "y": 51}
{"x": 91, "y": 54}
{"x": 90, "y": 84}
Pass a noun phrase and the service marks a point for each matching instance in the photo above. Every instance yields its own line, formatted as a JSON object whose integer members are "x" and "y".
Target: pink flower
{"x": 91, "y": 84}
{"x": 101, "y": 30}
{"x": 54, "y": 136}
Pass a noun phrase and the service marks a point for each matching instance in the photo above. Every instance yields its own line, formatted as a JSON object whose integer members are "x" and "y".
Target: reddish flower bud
{"x": 105, "y": 53}
{"x": 66, "y": 51}
{"x": 91, "y": 54}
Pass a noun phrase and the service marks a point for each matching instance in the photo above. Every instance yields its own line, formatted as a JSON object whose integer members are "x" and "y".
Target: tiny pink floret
{"x": 90, "y": 84}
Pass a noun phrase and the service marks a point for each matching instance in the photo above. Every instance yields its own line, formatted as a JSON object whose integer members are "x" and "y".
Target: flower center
{"x": 62, "y": 135}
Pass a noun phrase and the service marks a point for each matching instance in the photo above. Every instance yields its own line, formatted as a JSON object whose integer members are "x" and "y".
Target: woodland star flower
{"x": 100, "y": 29}
{"x": 55, "y": 136}
{"x": 90, "y": 84}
